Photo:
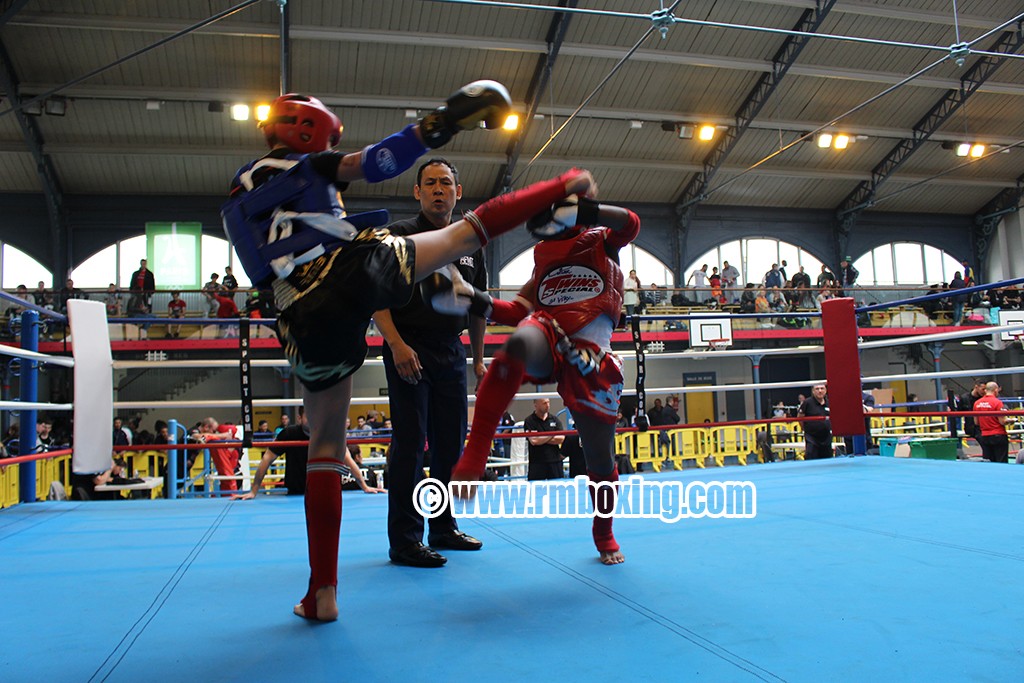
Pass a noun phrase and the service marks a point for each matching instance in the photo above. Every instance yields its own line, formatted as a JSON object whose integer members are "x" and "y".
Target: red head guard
{"x": 301, "y": 123}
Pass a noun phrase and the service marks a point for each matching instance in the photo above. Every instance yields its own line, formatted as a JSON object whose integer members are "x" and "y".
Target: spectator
{"x": 285, "y": 421}
{"x": 715, "y": 280}
{"x": 966, "y": 402}
{"x": 825, "y": 278}
{"x": 20, "y": 292}
{"x": 83, "y": 486}
{"x": 69, "y": 292}
{"x": 995, "y": 445}
{"x": 374, "y": 419}
{"x": 224, "y": 458}
{"x": 352, "y": 474}
{"x": 209, "y": 289}
{"x": 780, "y": 410}
{"x": 263, "y": 431}
{"x": 801, "y": 279}
{"x": 226, "y": 310}
{"x": 545, "y": 457}
{"x": 747, "y": 299}
{"x": 42, "y": 296}
{"x": 969, "y": 279}
{"x": 958, "y": 299}
{"x": 295, "y": 461}
{"x": 773, "y": 278}
{"x": 817, "y": 433}
{"x": 113, "y": 301}
{"x": 631, "y": 292}
{"x": 824, "y": 295}
{"x": 1011, "y": 298}
{"x": 699, "y": 278}
{"x": 761, "y": 304}
{"x": 229, "y": 283}
{"x": 730, "y": 276}
{"x": 655, "y": 296}
{"x": 847, "y": 275}
{"x": 362, "y": 430}
{"x": 142, "y": 285}
{"x": 782, "y": 270}
{"x": 120, "y": 436}
{"x": 44, "y": 440}
{"x": 175, "y": 310}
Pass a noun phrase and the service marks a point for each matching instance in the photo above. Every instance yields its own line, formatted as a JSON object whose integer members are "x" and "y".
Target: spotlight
{"x": 824, "y": 140}
{"x": 262, "y": 112}
{"x": 411, "y": 114}
{"x": 963, "y": 149}
{"x": 512, "y": 122}
{"x": 215, "y": 107}
{"x": 841, "y": 141}
{"x": 685, "y": 131}
{"x": 977, "y": 150}
{"x": 240, "y": 112}
{"x": 636, "y": 125}
{"x": 706, "y": 132}
{"x": 56, "y": 106}
{"x": 152, "y": 105}
{"x": 33, "y": 109}
{"x": 668, "y": 126}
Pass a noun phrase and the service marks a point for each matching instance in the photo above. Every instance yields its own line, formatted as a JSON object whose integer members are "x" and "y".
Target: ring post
{"x": 27, "y": 418}
{"x": 172, "y": 460}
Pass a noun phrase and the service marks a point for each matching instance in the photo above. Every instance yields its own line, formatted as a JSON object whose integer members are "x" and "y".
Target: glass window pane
{"x": 909, "y": 263}
{"x": 883, "y": 265}
{"x": 650, "y": 270}
{"x": 516, "y": 273}
{"x": 761, "y": 254}
{"x": 866, "y": 268}
{"x": 933, "y": 265}
{"x": 951, "y": 266}
{"x": 133, "y": 250}
{"x": 243, "y": 279}
{"x": 21, "y": 269}
{"x": 215, "y": 257}
{"x": 97, "y": 271}
{"x": 789, "y": 253}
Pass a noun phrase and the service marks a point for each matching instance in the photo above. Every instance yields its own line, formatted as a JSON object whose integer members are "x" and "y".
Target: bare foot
{"x": 326, "y": 605}
{"x": 614, "y": 557}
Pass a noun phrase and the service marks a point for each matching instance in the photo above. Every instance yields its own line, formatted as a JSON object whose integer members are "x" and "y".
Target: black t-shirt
{"x": 548, "y": 452}
{"x": 295, "y": 458}
{"x": 817, "y": 430}
{"x": 417, "y": 315}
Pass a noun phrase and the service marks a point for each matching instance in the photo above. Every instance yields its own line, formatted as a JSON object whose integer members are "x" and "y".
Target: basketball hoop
{"x": 718, "y": 344}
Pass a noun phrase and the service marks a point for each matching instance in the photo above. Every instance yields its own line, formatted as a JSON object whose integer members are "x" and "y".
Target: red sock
{"x": 323, "y": 527}
{"x": 497, "y": 389}
{"x": 604, "y": 503}
{"x": 503, "y": 213}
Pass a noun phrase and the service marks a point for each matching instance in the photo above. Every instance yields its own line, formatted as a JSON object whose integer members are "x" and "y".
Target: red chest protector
{"x": 576, "y": 279}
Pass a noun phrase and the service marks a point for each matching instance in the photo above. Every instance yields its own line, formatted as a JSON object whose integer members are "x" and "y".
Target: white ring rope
{"x": 25, "y": 405}
{"x": 35, "y": 355}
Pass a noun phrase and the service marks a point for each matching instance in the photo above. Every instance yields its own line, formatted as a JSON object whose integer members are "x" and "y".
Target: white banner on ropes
{"x": 94, "y": 387}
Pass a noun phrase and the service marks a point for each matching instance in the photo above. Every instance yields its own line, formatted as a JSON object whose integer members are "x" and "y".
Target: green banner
{"x": 174, "y": 251}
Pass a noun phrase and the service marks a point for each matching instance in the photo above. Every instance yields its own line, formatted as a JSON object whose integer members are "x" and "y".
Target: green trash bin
{"x": 934, "y": 449}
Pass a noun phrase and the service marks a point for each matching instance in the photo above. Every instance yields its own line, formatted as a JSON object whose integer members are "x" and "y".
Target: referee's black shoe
{"x": 417, "y": 555}
{"x": 454, "y": 540}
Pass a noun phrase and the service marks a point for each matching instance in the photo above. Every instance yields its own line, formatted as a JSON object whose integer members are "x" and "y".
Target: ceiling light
{"x": 636, "y": 125}
{"x": 33, "y": 108}
{"x": 841, "y": 141}
{"x": 969, "y": 342}
{"x": 977, "y": 150}
{"x": 56, "y": 106}
{"x": 411, "y": 114}
{"x": 262, "y": 112}
{"x": 152, "y": 105}
{"x": 215, "y": 107}
{"x": 706, "y": 133}
{"x": 240, "y": 112}
{"x": 824, "y": 140}
{"x": 685, "y": 131}
{"x": 538, "y": 117}
{"x": 963, "y": 149}
{"x": 511, "y": 122}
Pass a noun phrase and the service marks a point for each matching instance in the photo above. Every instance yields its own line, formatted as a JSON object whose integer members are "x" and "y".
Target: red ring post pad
{"x": 842, "y": 367}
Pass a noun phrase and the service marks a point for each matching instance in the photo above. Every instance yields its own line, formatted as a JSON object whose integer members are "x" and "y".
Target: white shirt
{"x": 699, "y": 277}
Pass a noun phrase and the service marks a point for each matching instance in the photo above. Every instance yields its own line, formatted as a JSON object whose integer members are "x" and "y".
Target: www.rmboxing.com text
{"x": 669, "y": 501}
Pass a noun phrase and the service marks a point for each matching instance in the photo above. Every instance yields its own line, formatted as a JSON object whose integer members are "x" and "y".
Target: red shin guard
{"x": 497, "y": 389}
{"x": 323, "y": 527}
{"x": 503, "y": 213}
{"x": 604, "y": 502}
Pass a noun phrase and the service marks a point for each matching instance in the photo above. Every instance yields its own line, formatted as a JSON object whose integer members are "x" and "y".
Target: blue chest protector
{"x": 288, "y": 220}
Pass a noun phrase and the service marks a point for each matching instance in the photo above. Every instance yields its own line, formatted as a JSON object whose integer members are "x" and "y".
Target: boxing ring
{"x": 854, "y": 568}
